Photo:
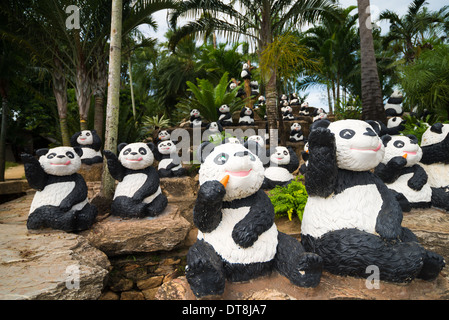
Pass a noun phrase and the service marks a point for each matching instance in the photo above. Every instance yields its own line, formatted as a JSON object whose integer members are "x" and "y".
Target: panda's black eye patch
{"x": 142, "y": 151}
{"x": 286, "y": 153}
{"x": 399, "y": 144}
{"x": 51, "y": 155}
{"x": 70, "y": 154}
{"x": 347, "y": 133}
{"x": 127, "y": 151}
{"x": 221, "y": 158}
{"x": 87, "y": 134}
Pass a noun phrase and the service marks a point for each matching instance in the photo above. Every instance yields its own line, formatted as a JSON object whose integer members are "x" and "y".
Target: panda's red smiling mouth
{"x": 138, "y": 159}
{"x": 61, "y": 164}
{"x": 239, "y": 173}
{"x": 375, "y": 150}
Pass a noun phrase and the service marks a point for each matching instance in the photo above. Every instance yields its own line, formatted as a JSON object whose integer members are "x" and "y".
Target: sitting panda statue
{"x": 435, "y": 161}
{"x": 393, "y": 107}
{"x": 224, "y": 115}
{"x": 61, "y": 199}
{"x": 237, "y": 237}
{"x": 304, "y": 110}
{"x": 246, "y": 117}
{"x": 296, "y": 134}
{"x": 351, "y": 219}
{"x": 256, "y": 144}
{"x": 163, "y": 135}
{"x": 319, "y": 114}
{"x": 169, "y": 161}
{"x": 288, "y": 113}
{"x": 294, "y": 100}
{"x": 283, "y": 162}
{"x": 401, "y": 172}
{"x": 90, "y": 142}
{"x": 213, "y": 132}
{"x": 394, "y": 126}
{"x": 195, "y": 119}
{"x": 138, "y": 193}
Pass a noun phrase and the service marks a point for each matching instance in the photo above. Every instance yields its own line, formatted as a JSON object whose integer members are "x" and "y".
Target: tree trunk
{"x": 83, "y": 88}
{"x": 112, "y": 108}
{"x": 133, "y": 103}
{"x": 60, "y": 92}
{"x": 99, "y": 84}
{"x": 372, "y": 102}
{"x": 5, "y": 112}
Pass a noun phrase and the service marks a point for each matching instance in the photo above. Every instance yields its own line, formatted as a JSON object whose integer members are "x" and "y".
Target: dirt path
{"x": 16, "y": 172}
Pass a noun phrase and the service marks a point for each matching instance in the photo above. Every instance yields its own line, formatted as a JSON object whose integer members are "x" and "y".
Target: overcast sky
{"x": 318, "y": 98}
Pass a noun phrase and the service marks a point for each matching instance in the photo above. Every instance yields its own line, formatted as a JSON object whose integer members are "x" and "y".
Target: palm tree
{"x": 257, "y": 22}
{"x": 372, "y": 102}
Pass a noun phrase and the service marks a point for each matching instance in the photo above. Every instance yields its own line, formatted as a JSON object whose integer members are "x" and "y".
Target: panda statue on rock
{"x": 237, "y": 238}
{"x": 138, "y": 193}
{"x": 224, "y": 115}
{"x": 246, "y": 117}
{"x": 296, "y": 134}
{"x": 351, "y": 219}
{"x": 61, "y": 200}
{"x": 90, "y": 142}
{"x": 283, "y": 162}
{"x": 169, "y": 161}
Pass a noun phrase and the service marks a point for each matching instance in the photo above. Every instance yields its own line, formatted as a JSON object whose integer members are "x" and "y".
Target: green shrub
{"x": 289, "y": 200}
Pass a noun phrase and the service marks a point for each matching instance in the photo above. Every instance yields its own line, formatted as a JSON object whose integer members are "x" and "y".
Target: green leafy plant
{"x": 289, "y": 200}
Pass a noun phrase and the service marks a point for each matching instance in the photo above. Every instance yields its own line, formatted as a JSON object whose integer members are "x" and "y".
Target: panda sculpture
{"x": 61, "y": 200}
{"x": 296, "y": 134}
{"x": 163, "y": 135}
{"x": 246, "y": 73}
{"x": 90, "y": 142}
{"x": 288, "y": 113}
{"x": 393, "y": 107}
{"x": 169, "y": 161}
{"x": 256, "y": 144}
{"x": 246, "y": 117}
{"x": 138, "y": 193}
{"x": 351, "y": 219}
{"x": 283, "y": 162}
{"x": 401, "y": 172}
{"x": 304, "y": 110}
{"x": 294, "y": 100}
{"x": 394, "y": 126}
{"x": 237, "y": 237}
{"x": 213, "y": 132}
{"x": 195, "y": 119}
{"x": 224, "y": 115}
{"x": 435, "y": 161}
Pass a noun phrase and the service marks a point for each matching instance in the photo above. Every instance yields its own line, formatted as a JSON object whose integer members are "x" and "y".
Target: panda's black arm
{"x": 322, "y": 169}
{"x": 419, "y": 178}
{"x": 294, "y": 161}
{"x": 35, "y": 174}
{"x": 77, "y": 195}
{"x": 73, "y": 140}
{"x": 436, "y": 153}
{"x": 259, "y": 219}
{"x": 150, "y": 185}
{"x": 391, "y": 171}
{"x": 207, "y": 210}
{"x": 115, "y": 168}
{"x": 389, "y": 219}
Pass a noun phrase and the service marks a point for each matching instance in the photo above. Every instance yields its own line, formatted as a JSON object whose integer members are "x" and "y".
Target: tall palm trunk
{"x": 5, "y": 112}
{"x": 83, "y": 88}
{"x": 112, "y": 108}
{"x": 99, "y": 84}
{"x": 372, "y": 102}
{"x": 60, "y": 92}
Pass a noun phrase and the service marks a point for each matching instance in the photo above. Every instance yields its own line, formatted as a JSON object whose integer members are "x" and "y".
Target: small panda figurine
{"x": 394, "y": 126}
{"x": 246, "y": 117}
{"x": 169, "y": 160}
{"x": 237, "y": 237}
{"x": 213, "y": 132}
{"x": 232, "y": 140}
{"x": 288, "y": 113}
{"x": 319, "y": 114}
{"x": 435, "y": 161}
{"x": 254, "y": 85}
{"x": 138, "y": 193}
{"x": 256, "y": 144}
{"x": 283, "y": 162}
{"x": 304, "y": 110}
{"x": 195, "y": 119}
{"x": 89, "y": 141}
{"x": 61, "y": 199}
{"x": 351, "y": 219}
{"x": 305, "y": 157}
{"x": 296, "y": 134}
{"x": 163, "y": 135}
{"x": 225, "y": 116}
{"x": 393, "y": 107}
{"x": 294, "y": 100}
{"x": 245, "y": 74}
{"x": 401, "y": 172}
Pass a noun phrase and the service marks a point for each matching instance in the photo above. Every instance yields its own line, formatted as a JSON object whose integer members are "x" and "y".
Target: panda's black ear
{"x": 385, "y": 139}
{"x": 93, "y": 131}
{"x": 437, "y": 128}
{"x": 41, "y": 152}
{"x": 413, "y": 138}
{"x": 121, "y": 146}
{"x": 151, "y": 146}
{"x": 78, "y": 151}
{"x": 204, "y": 150}
{"x": 324, "y": 123}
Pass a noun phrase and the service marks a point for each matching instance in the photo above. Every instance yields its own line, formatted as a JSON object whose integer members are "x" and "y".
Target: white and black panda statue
{"x": 61, "y": 198}
{"x": 394, "y": 126}
{"x": 304, "y": 110}
{"x": 294, "y": 100}
{"x": 163, "y": 135}
{"x": 195, "y": 119}
{"x": 287, "y": 114}
{"x": 296, "y": 134}
{"x": 256, "y": 144}
{"x": 169, "y": 161}
{"x": 351, "y": 219}
{"x": 283, "y": 162}
{"x": 393, "y": 107}
{"x": 246, "y": 117}
{"x": 138, "y": 193}
{"x": 90, "y": 142}
{"x": 224, "y": 115}
{"x": 401, "y": 172}
{"x": 435, "y": 161}
{"x": 237, "y": 237}
{"x": 213, "y": 132}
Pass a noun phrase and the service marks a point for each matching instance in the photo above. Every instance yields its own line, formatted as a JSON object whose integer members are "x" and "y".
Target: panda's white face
{"x": 245, "y": 66}
{"x": 85, "y": 138}
{"x": 163, "y": 135}
{"x": 394, "y": 122}
{"x": 305, "y": 104}
{"x": 296, "y": 126}
{"x": 431, "y": 137}
{"x": 61, "y": 161}
{"x": 136, "y": 156}
{"x": 224, "y": 108}
{"x": 359, "y": 148}
{"x": 257, "y": 139}
{"x": 248, "y": 111}
{"x": 289, "y": 109}
{"x": 213, "y": 127}
{"x": 232, "y": 86}
{"x": 281, "y": 156}
{"x": 194, "y": 112}
{"x": 396, "y": 94}
{"x": 402, "y": 146}
{"x": 233, "y": 140}
{"x": 284, "y": 97}
{"x": 166, "y": 147}
{"x": 245, "y": 170}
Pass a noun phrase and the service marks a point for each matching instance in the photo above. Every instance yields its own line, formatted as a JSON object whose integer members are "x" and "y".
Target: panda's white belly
{"x": 130, "y": 184}
{"x": 438, "y": 174}
{"x": 164, "y": 163}
{"x": 264, "y": 249}
{"x": 278, "y": 174}
{"x": 89, "y": 153}
{"x": 196, "y": 123}
{"x": 401, "y": 186}
{"x": 246, "y": 119}
{"x": 356, "y": 207}
{"x": 53, "y": 194}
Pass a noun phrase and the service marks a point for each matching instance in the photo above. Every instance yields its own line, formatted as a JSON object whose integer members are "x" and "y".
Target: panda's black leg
{"x": 440, "y": 198}
{"x": 85, "y": 217}
{"x": 292, "y": 261}
{"x": 403, "y": 202}
{"x": 51, "y": 217}
{"x": 180, "y": 172}
{"x": 164, "y": 173}
{"x": 127, "y": 208}
{"x": 204, "y": 270}
{"x": 156, "y": 206}
{"x": 97, "y": 159}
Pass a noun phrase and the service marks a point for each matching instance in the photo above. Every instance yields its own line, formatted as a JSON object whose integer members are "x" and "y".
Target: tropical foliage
{"x": 289, "y": 200}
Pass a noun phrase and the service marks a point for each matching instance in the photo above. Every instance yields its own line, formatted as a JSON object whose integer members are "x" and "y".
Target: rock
{"x": 91, "y": 172}
{"x": 115, "y": 236}
{"x": 122, "y": 285}
{"x": 109, "y": 295}
{"x": 132, "y": 295}
{"x": 149, "y": 283}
